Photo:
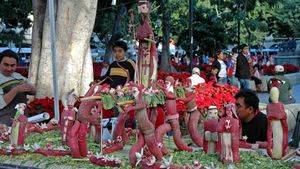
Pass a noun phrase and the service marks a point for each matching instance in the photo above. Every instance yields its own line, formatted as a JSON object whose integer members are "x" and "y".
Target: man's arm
{"x": 8, "y": 97}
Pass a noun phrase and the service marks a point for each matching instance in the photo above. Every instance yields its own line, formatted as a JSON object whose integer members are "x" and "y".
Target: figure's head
{"x": 21, "y": 107}
{"x": 170, "y": 83}
{"x": 8, "y": 62}
{"x": 230, "y": 109}
{"x": 274, "y": 94}
{"x": 212, "y": 112}
{"x": 120, "y": 48}
{"x": 247, "y": 104}
{"x": 244, "y": 49}
{"x": 137, "y": 90}
{"x": 144, "y": 6}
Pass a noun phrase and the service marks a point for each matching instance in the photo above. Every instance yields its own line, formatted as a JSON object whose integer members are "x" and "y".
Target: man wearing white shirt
{"x": 221, "y": 68}
{"x": 196, "y": 78}
{"x": 13, "y": 87}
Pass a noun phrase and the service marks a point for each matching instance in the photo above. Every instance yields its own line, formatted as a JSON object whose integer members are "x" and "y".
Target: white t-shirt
{"x": 3, "y": 79}
{"x": 196, "y": 79}
{"x": 223, "y": 72}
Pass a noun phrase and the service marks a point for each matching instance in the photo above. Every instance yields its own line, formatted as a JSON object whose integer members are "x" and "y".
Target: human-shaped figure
{"x": 87, "y": 115}
{"x": 277, "y": 134}
{"x": 19, "y": 126}
{"x": 68, "y": 115}
{"x": 147, "y": 53}
{"x": 229, "y": 130}
{"x": 172, "y": 118}
{"x": 211, "y": 142}
{"x": 146, "y": 128}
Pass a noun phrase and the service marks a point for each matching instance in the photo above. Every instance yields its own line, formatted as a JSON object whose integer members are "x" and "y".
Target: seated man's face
{"x": 119, "y": 53}
{"x": 8, "y": 65}
{"x": 243, "y": 111}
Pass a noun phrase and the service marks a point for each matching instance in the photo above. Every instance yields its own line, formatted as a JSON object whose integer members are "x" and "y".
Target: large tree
{"x": 74, "y": 25}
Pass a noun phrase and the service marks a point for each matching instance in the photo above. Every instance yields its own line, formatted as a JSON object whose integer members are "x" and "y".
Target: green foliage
{"x": 15, "y": 14}
{"x": 248, "y": 159}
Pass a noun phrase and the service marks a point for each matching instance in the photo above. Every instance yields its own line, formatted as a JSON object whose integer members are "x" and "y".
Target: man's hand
{"x": 25, "y": 87}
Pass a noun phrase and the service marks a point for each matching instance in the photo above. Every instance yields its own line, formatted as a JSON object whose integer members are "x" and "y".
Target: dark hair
{"x": 120, "y": 44}
{"x": 217, "y": 53}
{"x": 234, "y": 50}
{"x": 250, "y": 98}
{"x": 243, "y": 46}
{"x": 8, "y": 53}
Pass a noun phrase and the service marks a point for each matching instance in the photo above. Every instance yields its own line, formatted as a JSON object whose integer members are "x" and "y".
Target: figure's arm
{"x": 154, "y": 74}
{"x": 136, "y": 107}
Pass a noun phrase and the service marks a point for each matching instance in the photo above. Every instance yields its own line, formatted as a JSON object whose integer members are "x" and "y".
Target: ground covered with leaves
{"x": 249, "y": 160}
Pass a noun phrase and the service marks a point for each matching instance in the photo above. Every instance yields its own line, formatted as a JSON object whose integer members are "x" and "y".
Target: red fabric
{"x": 108, "y": 113}
{"x": 97, "y": 70}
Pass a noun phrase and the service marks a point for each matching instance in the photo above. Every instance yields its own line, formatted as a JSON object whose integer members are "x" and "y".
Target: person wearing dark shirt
{"x": 121, "y": 70}
{"x": 254, "y": 122}
{"x": 243, "y": 67}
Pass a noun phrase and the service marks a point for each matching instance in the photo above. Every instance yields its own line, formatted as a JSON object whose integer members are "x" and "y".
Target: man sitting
{"x": 13, "y": 87}
{"x": 254, "y": 122}
{"x": 121, "y": 70}
{"x": 285, "y": 93}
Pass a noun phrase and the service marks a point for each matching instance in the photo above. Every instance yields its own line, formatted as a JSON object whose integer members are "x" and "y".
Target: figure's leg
{"x": 177, "y": 136}
{"x": 159, "y": 133}
{"x": 82, "y": 139}
{"x": 73, "y": 140}
{"x": 193, "y": 128}
{"x": 136, "y": 148}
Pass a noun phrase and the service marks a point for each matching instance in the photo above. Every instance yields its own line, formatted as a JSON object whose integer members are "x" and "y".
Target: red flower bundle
{"x": 213, "y": 94}
{"x": 177, "y": 76}
{"x": 43, "y": 105}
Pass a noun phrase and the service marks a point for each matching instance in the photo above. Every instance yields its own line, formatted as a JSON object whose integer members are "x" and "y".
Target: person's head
{"x": 234, "y": 50}
{"x": 143, "y": 6}
{"x": 244, "y": 49}
{"x": 8, "y": 62}
{"x": 105, "y": 64}
{"x": 169, "y": 80}
{"x": 120, "y": 48}
{"x": 247, "y": 104}
{"x": 219, "y": 54}
{"x": 196, "y": 71}
{"x": 211, "y": 59}
{"x": 279, "y": 70}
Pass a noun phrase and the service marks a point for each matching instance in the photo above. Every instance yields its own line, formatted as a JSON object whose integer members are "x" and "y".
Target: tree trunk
{"x": 74, "y": 25}
{"x": 166, "y": 36}
{"x": 116, "y": 34}
{"x": 249, "y": 37}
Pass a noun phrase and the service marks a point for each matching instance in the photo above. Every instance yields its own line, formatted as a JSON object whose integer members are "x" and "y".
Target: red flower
{"x": 43, "y": 105}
